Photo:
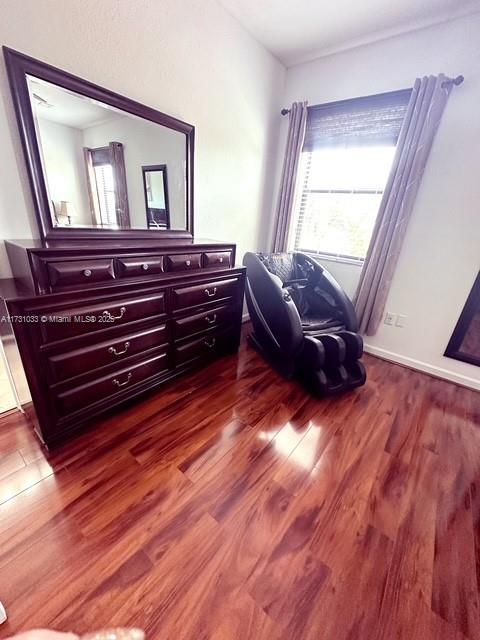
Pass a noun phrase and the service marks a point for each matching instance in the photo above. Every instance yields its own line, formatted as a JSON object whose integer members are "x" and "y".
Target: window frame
{"x": 303, "y": 190}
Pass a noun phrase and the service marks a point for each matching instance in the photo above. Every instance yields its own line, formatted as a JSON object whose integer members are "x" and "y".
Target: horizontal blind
{"x": 106, "y": 194}
{"x": 370, "y": 120}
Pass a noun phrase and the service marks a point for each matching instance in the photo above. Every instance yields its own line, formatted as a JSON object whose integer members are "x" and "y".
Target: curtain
{"x": 424, "y": 111}
{"x": 295, "y": 138}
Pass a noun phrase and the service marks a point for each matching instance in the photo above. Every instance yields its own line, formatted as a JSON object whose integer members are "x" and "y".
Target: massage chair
{"x": 303, "y": 322}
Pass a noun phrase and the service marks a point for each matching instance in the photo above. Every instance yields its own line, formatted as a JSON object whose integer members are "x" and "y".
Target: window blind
{"x": 106, "y": 194}
{"x": 371, "y": 120}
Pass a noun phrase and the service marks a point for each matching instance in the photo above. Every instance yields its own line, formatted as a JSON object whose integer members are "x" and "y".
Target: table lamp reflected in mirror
{"x": 64, "y": 213}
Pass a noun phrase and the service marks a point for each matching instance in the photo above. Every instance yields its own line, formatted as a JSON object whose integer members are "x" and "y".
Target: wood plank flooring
{"x": 232, "y": 505}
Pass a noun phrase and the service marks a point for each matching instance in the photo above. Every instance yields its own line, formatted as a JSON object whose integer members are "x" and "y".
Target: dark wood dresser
{"x": 109, "y": 303}
{"x": 101, "y": 323}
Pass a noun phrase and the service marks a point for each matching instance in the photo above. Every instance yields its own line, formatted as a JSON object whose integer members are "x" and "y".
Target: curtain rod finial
{"x": 458, "y": 80}
{"x": 284, "y": 112}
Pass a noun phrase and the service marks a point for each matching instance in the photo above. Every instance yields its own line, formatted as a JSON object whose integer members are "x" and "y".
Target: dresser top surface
{"x": 30, "y": 244}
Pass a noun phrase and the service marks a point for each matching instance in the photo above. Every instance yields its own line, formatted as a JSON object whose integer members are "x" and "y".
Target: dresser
{"x": 98, "y": 325}
{"x": 118, "y": 296}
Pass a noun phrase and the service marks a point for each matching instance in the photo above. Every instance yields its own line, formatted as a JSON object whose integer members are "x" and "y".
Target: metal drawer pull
{"x": 110, "y": 316}
{"x": 126, "y": 346}
{"x": 87, "y": 273}
{"x": 209, "y": 343}
{"x": 210, "y": 293}
{"x": 211, "y": 320}
{"x": 145, "y": 266}
{"x": 187, "y": 263}
{"x": 220, "y": 259}
{"x": 122, "y": 384}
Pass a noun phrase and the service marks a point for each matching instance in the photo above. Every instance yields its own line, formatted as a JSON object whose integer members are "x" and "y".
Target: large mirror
{"x": 465, "y": 341}
{"x": 99, "y": 162}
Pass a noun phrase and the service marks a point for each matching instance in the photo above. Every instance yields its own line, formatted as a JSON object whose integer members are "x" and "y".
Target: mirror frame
{"x": 472, "y": 306}
{"x": 19, "y": 66}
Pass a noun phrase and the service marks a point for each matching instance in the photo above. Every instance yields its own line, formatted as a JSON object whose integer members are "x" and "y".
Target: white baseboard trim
{"x": 437, "y": 372}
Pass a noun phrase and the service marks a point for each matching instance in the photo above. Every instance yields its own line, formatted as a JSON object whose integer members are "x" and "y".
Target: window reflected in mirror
{"x": 103, "y": 167}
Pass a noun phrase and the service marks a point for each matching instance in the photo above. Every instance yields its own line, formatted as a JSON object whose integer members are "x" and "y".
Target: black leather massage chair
{"x": 303, "y": 322}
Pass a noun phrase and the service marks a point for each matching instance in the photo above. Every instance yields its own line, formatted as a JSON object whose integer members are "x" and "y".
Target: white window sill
{"x": 328, "y": 258}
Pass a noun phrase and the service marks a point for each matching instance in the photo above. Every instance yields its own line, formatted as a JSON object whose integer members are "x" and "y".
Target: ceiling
{"x": 299, "y": 30}
{"x": 65, "y": 107}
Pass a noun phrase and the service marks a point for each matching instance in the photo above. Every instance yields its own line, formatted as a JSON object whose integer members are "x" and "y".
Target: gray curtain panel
{"x": 424, "y": 111}
{"x": 295, "y": 138}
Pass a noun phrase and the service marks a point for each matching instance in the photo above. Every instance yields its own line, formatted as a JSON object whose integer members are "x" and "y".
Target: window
{"x": 348, "y": 151}
{"x": 105, "y": 187}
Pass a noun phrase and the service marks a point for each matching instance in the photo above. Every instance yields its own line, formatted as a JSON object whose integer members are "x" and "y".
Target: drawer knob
{"x": 122, "y": 384}
{"x": 220, "y": 259}
{"x": 113, "y": 350}
{"x": 187, "y": 263}
{"x": 87, "y": 273}
{"x": 209, "y": 343}
{"x": 211, "y": 319}
{"x": 110, "y": 316}
{"x": 211, "y": 293}
{"x": 145, "y": 266}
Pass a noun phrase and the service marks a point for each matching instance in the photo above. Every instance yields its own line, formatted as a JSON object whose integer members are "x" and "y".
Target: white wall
{"x": 190, "y": 59}
{"x": 62, "y": 153}
{"x": 145, "y": 144}
{"x": 441, "y": 253}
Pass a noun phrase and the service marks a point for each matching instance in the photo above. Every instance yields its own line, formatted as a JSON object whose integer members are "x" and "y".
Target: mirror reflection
{"x": 106, "y": 168}
{"x": 155, "y": 184}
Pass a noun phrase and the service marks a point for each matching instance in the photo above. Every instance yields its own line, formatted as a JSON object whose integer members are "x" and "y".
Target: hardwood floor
{"x": 234, "y": 506}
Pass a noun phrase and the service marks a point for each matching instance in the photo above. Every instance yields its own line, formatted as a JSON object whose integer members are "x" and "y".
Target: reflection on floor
{"x": 234, "y": 506}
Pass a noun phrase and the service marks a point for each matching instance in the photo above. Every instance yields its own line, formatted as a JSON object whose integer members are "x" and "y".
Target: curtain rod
{"x": 456, "y": 81}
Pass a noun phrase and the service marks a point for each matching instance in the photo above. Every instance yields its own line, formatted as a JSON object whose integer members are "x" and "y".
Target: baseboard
{"x": 411, "y": 363}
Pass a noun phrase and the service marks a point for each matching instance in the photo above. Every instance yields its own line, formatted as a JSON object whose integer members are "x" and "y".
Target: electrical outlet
{"x": 400, "y": 322}
{"x": 389, "y": 318}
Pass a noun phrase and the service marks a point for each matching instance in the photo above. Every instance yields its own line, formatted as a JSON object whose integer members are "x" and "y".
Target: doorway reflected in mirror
{"x": 155, "y": 184}
{"x": 465, "y": 341}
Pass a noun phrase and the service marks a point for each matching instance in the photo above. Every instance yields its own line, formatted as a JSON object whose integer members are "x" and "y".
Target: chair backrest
{"x": 280, "y": 264}
{"x": 273, "y": 313}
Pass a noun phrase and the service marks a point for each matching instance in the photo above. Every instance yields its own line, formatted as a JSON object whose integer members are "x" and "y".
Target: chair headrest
{"x": 281, "y": 265}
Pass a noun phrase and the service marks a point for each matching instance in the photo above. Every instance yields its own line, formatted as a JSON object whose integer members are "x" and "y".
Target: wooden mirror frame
{"x": 472, "y": 306}
{"x": 18, "y": 67}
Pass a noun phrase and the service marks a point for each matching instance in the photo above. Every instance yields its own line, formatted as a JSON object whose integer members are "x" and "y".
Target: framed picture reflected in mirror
{"x": 465, "y": 341}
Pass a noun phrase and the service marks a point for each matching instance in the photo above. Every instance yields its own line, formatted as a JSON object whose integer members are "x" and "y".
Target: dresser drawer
{"x": 201, "y": 321}
{"x": 73, "y": 363}
{"x": 132, "y": 267}
{"x": 217, "y": 259}
{"x": 184, "y": 261}
{"x": 102, "y": 388}
{"x": 74, "y": 321}
{"x": 206, "y": 346}
{"x": 64, "y": 274}
{"x": 202, "y": 293}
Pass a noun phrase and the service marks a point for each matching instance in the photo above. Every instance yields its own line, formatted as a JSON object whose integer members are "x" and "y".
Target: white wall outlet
{"x": 400, "y": 322}
{"x": 389, "y": 318}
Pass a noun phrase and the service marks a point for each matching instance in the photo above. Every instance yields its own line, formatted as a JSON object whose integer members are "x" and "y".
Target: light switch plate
{"x": 400, "y": 322}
